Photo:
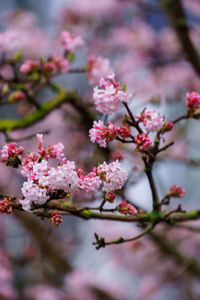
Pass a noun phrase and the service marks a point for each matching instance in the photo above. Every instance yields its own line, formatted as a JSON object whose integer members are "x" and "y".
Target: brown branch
{"x": 176, "y": 15}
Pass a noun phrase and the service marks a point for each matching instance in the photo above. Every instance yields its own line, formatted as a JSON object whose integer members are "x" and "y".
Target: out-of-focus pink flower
{"x": 29, "y": 66}
{"x": 193, "y": 101}
{"x": 108, "y": 95}
{"x": 99, "y": 67}
{"x": 61, "y": 63}
{"x": 116, "y": 155}
{"x": 70, "y": 41}
{"x": 56, "y": 64}
{"x": 176, "y": 191}
{"x": 16, "y": 96}
{"x": 167, "y": 126}
{"x": 142, "y": 142}
{"x": 126, "y": 208}
{"x": 49, "y": 67}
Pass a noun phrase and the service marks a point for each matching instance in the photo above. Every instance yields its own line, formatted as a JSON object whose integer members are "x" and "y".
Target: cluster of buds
{"x": 11, "y": 155}
{"x": 142, "y": 142}
{"x": 126, "y": 208}
{"x": 29, "y": 66}
{"x": 102, "y": 134}
{"x": 56, "y": 218}
{"x": 167, "y": 126}
{"x": 16, "y": 96}
{"x": 6, "y": 205}
{"x": 193, "y": 104}
{"x": 56, "y": 64}
{"x": 176, "y": 191}
{"x": 54, "y": 151}
{"x": 110, "y": 197}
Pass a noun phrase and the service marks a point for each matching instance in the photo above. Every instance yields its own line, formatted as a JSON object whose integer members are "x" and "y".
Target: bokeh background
{"x": 39, "y": 261}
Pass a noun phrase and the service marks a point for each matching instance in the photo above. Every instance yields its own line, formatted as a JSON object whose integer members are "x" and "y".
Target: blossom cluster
{"x": 108, "y": 95}
{"x": 54, "y": 64}
{"x": 43, "y": 181}
{"x": 11, "y": 155}
{"x": 151, "y": 120}
{"x": 102, "y": 134}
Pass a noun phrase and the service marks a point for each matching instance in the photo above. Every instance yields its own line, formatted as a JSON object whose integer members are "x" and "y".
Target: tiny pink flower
{"x": 70, "y": 41}
{"x": 142, "y": 142}
{"x": 126, "y": 208}
{"x": 176, "y": 191}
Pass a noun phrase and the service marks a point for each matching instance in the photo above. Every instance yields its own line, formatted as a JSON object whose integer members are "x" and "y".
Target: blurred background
{"x": 39, "y": 261}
